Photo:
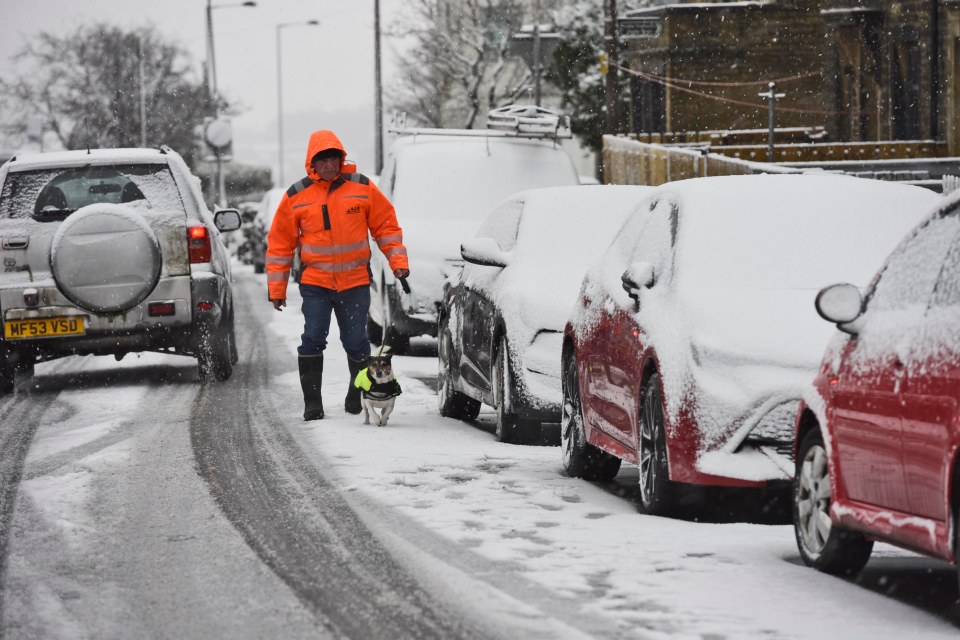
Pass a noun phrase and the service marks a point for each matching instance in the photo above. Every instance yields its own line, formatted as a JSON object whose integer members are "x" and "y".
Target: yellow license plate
{"x": 43, "y": 328}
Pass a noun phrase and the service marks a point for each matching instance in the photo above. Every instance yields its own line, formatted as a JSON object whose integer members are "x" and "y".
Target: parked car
{"x": 248, "y": 223}
{"x": 695, "y": 334}
{"x": 256, "y": 240}
{"x": 879, "y": 434}
{"x": 111, "y": 251}
{"x": 501, "y": 324}
{"x": 443, "y": 182}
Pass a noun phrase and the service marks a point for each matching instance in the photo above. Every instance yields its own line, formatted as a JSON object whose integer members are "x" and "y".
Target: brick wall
{"x": 876, "y": 69}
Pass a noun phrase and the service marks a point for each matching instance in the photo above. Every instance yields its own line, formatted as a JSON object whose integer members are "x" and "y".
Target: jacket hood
{"x": 321, "y": 141}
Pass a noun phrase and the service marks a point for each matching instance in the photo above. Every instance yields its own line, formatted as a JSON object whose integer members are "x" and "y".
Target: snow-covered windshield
{"x": 464, "y": 178}
{"x": 58, "y": 192}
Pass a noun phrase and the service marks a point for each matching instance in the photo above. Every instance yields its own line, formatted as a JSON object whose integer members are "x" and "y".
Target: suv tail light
{"x": 162, "y": 309}
{"x": 198, "y": 244}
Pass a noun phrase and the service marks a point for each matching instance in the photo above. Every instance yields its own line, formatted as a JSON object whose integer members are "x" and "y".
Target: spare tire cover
{"x": 105, "y": 258}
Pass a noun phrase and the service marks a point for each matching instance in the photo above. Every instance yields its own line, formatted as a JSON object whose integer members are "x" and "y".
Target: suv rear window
{"x": 53, "y": 194}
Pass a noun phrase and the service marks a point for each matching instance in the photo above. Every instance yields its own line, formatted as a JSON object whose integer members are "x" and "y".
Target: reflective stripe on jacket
{"x": 331, "y": 223}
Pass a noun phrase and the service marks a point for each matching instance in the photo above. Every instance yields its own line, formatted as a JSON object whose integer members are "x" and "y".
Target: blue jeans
{"x": 350, "y": 307}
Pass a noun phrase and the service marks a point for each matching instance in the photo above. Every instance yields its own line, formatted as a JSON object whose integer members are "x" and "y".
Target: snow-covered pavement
{"x": 595, "y": 562}
{"x": 131, "y": 521}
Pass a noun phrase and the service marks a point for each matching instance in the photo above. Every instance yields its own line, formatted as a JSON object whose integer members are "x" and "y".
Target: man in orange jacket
{"x": 328, "y": 215}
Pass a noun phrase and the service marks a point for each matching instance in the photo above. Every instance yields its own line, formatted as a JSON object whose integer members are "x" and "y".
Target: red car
{"x": 695, "y": 335}
{"x": 879, "y": 434}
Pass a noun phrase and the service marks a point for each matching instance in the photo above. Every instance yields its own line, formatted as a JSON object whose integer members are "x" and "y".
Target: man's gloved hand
{"x": 277, "y": 304}
{"x": 401, "y": 273}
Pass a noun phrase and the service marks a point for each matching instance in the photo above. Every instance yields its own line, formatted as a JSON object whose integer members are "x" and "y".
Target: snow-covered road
{"x": 150, "y": 506}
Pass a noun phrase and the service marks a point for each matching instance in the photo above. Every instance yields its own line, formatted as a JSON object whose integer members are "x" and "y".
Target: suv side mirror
{"x": 485, "y": 252}
{"x": 638, "y": 275}
{"x": 227, "y": 219}
{"x": 839, "y": 303}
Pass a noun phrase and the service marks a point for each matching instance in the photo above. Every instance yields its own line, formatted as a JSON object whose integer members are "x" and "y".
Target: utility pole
{"x": 211, "y": 63}
{"x": 212, "y": 90}
{"x": 612, "y": 86}
{"x": 537, "y": 53}
{"x": 212, "y": 86}
{"x": 280, "y": 180}
{"x": 378, "y": 94}
{"x": 143, "y": 96}
{"x": 772, "y": 96}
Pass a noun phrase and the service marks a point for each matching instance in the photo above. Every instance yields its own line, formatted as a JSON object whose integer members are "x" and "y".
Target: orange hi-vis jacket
{"x": 329, "y": 222}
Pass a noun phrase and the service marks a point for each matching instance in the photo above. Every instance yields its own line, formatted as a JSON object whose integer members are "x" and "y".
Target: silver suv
{"x": 107, "y": 252}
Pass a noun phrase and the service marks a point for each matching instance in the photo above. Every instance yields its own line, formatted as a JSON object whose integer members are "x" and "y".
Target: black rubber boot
{"x": 352, "y": 403}
{"x": 311, "y": 377}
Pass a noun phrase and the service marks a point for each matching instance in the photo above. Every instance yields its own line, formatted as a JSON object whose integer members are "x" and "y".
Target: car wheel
{"x": 232, "y": 335}
{"x": 956, "y": 540}
{"x": 374, "y": 332}
{"x": 580, "y": 458}
{"x": 7, "y": 372}
{"x": 214, "y": 357}
{"x": 823, "y": 545}
{"x": 452, "y": 403}
{"x": 399, "y": 344}
{"x": 510, "y": 428}
{"x": 656, "y": 488}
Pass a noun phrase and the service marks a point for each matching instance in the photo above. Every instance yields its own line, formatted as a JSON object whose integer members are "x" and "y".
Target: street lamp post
{"x": 280, "y": 181}
{"x": 378, "y": 92}
{"x": 212, "y": 82}
{"x": 612, "y": 87}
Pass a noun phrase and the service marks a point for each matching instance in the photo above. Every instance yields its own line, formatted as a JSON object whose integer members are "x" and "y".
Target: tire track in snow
{"x": 21, "y": 417}
{"x": 293, "y": 517}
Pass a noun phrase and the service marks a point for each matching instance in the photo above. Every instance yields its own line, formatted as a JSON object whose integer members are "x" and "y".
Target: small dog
{"x": 379, "y": 388}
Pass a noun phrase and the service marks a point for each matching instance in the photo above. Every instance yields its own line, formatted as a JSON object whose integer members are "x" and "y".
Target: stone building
{"x": 863, "y": 69}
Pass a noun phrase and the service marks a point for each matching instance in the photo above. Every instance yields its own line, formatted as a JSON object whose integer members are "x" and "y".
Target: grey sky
{"x": 327, "y": 69}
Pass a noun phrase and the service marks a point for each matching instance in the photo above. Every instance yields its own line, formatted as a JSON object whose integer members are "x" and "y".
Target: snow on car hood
{"x": 433, "y": 250}
{"x": 539, "y": 296}
{"x": 747, "y": 350}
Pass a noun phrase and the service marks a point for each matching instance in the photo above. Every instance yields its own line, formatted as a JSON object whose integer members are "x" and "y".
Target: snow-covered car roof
{"x": 787, "y": 216}
{"x": 81, "y": 157}
{"x": 463, "y": 178}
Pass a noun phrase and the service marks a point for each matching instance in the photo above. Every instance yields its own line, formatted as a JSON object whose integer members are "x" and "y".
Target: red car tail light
{"x": 162, "y": 309}
{"x": 204, "y": 306}
{"x": 198, "y": 244}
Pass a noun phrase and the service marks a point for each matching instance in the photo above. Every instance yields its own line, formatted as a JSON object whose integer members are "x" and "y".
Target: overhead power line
{"x": 670, "y": 83}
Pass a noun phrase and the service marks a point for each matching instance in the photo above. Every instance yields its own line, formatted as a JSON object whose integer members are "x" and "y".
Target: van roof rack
{"x": 529, "y": 119}
{"x": 514, "y": 121}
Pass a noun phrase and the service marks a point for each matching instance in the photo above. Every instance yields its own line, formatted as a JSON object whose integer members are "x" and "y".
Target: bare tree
{"x": 86, "y": 88}
{"x": 459, "y": 65}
